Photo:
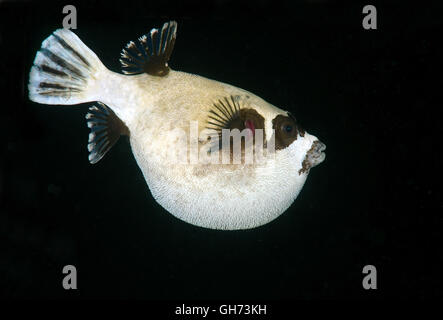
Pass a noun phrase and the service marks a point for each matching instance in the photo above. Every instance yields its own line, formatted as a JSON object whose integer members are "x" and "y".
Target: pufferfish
{"x": 154, "y": 105}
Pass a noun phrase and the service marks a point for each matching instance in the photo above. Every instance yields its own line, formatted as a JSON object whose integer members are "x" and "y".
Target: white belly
{"x": 221, "y": 197}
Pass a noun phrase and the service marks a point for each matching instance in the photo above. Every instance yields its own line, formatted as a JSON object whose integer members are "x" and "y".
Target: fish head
{"x": 295, "y": 149}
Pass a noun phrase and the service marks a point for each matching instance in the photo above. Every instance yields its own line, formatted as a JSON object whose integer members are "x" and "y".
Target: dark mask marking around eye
{"x": 286, "y": 130}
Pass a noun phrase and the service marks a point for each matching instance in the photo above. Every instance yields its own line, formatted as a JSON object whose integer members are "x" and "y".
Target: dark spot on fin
{"x": 62, "y": 63}
{"x": 234, "y": 112}
{"x": 51, "y": 85}
{"x": 71, "y": 49}
{"x": 151, "y": 53}
{"x": 55, "y": 72}
{"x": 106, "y": 128}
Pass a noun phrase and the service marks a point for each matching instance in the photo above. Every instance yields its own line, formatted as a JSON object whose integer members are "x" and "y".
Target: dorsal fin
{"x": 151, "y": 53}
{"x": 106, "y": 128}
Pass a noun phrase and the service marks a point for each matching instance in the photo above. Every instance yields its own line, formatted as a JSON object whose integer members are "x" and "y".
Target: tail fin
{"x": 64, "y": 70}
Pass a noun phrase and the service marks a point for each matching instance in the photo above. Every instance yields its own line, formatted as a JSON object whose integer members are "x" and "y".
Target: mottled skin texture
{"x": 231, "y": 196}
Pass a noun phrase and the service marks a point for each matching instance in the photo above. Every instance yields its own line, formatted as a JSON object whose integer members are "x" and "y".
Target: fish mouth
{"x": 314, "y": 156}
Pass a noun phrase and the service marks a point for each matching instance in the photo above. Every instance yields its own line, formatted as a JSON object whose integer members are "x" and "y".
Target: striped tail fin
{"x": 65, "y": 71}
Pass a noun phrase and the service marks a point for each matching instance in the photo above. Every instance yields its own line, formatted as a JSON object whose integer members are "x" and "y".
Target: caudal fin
{"x": 64, "y": 71}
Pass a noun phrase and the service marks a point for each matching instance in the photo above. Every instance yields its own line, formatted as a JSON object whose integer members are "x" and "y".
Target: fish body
{"x": 170, "y": 114}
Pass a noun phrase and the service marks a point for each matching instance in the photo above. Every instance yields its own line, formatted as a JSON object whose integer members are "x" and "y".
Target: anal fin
{"x": 106, "y": 129}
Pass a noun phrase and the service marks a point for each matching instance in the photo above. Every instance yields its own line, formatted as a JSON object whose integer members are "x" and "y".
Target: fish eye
{"x": 286, "y": 131}
{"x": 288, "y": 128}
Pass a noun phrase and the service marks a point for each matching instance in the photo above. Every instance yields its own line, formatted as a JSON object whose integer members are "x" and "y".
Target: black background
{"x": 369, "y": 95}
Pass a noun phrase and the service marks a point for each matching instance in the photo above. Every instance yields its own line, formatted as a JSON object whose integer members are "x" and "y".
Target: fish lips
{"x": 314, "y": 156}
